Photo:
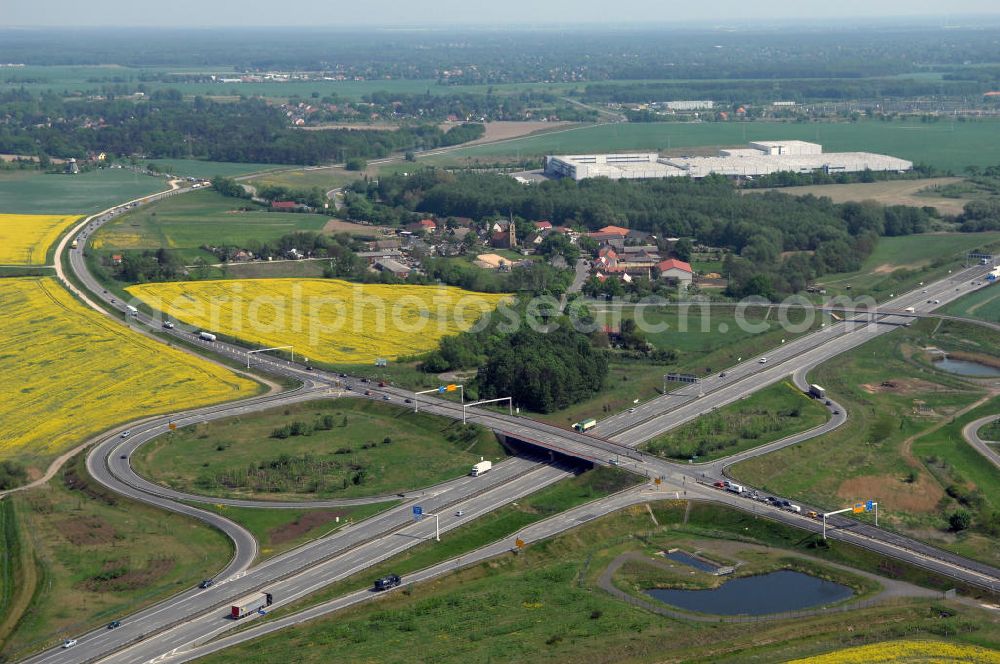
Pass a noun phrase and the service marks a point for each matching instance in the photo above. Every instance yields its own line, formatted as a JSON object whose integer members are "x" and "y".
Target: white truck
{"x": 735, "y": 488}
{"x": 817, "y": 391}
{"x": 206, "y": 336}
{"x": 131, "y": 311}
{"x": 909, "y": 310}
{"x": 481, "y": 467}
{"x": 794, "y": 508}
{"x": 249, "y": 604}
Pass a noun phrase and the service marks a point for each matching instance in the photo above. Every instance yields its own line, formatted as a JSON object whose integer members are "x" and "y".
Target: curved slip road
{"x": 971, "y": 434}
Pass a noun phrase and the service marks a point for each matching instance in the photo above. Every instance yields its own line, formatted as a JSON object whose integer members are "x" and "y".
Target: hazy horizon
{"x": 453, "y": 13}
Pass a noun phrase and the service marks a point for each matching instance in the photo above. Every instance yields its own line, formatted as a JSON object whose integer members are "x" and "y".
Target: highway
{"x": 159, "y": 630}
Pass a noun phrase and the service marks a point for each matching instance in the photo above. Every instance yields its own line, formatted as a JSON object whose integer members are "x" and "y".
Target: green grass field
{"x": 899, "y": 264}
{"x": 898, "y": 405}
{"x": 32, "y": 192}
{"x": 768, "y": 415}
{"x": 349, "y": 460}
{"x": 98, "y": 557}
{"x": 984, "y": 304}
{"x": 324, "y": 178}
{"x": 546, "y": 605}
{"x": 991, "y": 431}
{"x": 187, "y": 222}
{"x": 278, "y": 530}
{"x": 944, "y": 145}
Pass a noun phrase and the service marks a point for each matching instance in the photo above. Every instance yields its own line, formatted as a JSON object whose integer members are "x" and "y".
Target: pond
{"x": 691, "y": 561}
{"x": 966, "y": 368}
{"x": 776, "y": 592}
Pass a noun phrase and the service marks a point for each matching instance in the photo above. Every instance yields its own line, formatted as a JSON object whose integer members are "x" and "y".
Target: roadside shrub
{"x": 959, "y": 520}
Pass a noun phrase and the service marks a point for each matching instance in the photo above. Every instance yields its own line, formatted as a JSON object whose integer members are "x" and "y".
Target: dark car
{"x": 386, "y": 582}
{"x": 114, "y": 624}
{"x": 207, "y": 583}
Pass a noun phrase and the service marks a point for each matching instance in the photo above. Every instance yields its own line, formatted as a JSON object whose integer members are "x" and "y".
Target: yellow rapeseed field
{"x": 69, "y": 372}
{"x": 324, "y": 319}
{"x": 26, "y": 238}
{"x": 906, "y": 652}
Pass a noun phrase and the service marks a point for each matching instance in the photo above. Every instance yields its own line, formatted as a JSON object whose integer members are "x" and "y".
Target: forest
{"x": 167, "y": 126}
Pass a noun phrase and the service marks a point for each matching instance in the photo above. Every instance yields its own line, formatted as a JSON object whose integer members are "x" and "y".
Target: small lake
{"x": 691, "y": 561}
{"x": 966, "y": 368}
{"x": 776, "y": 592}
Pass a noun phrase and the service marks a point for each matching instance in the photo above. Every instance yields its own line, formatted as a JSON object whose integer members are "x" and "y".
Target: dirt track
{"x": 892, "y": 192}
{"x": 504, "y": 129}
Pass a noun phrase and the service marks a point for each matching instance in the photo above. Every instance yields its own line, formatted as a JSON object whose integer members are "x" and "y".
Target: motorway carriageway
{"x": 586, "y": 446}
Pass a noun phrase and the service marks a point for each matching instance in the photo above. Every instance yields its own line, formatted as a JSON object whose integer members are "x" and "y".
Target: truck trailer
{"x": 817, "y": 391}
{"x": 583, "y": 425}
{"x": 206, "y": 336}
{"x": 481, "y": 467}
{"x": 249, "y": 604}
{"x": 131, "y": 311}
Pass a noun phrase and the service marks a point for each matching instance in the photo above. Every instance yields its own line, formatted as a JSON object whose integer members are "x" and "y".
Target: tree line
{"x": 167, "y": 126}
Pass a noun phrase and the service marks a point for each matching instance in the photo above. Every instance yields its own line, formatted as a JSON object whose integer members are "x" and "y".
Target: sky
{"x": 370, "y": 13}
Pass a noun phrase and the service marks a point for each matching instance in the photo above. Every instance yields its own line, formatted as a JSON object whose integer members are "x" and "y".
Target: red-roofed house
{"x": 284, "y": 205}
{"x": 675, "y": 269}
{"x": 616, "y": 230}
{"x": 423, "y": 226}
{"x": 543, "y": 225}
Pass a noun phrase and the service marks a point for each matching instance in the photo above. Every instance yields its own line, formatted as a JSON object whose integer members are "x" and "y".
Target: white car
{"x": 631, "y": 410}
{"x": 69, "y": 643}
{"x": 126, "y": 434}
{"x": 762, "y": 360}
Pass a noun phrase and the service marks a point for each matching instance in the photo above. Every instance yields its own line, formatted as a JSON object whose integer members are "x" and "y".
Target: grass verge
{"x": 771, "y": 414}
{"x": 339, "y": 448}
{"x": 278, "y": 530}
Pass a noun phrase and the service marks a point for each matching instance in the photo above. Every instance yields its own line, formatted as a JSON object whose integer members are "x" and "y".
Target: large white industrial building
{"x": 760, "y": 158}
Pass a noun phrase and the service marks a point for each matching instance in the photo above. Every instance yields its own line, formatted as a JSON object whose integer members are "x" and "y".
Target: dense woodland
{"x": 167, "y": 126}
{"x": 543, "y": 371}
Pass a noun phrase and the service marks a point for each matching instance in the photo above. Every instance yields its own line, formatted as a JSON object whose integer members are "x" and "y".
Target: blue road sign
{"x": 441, "y": 389}
{"x": 418, "y": 512}
{"x": 870, "y": 505}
